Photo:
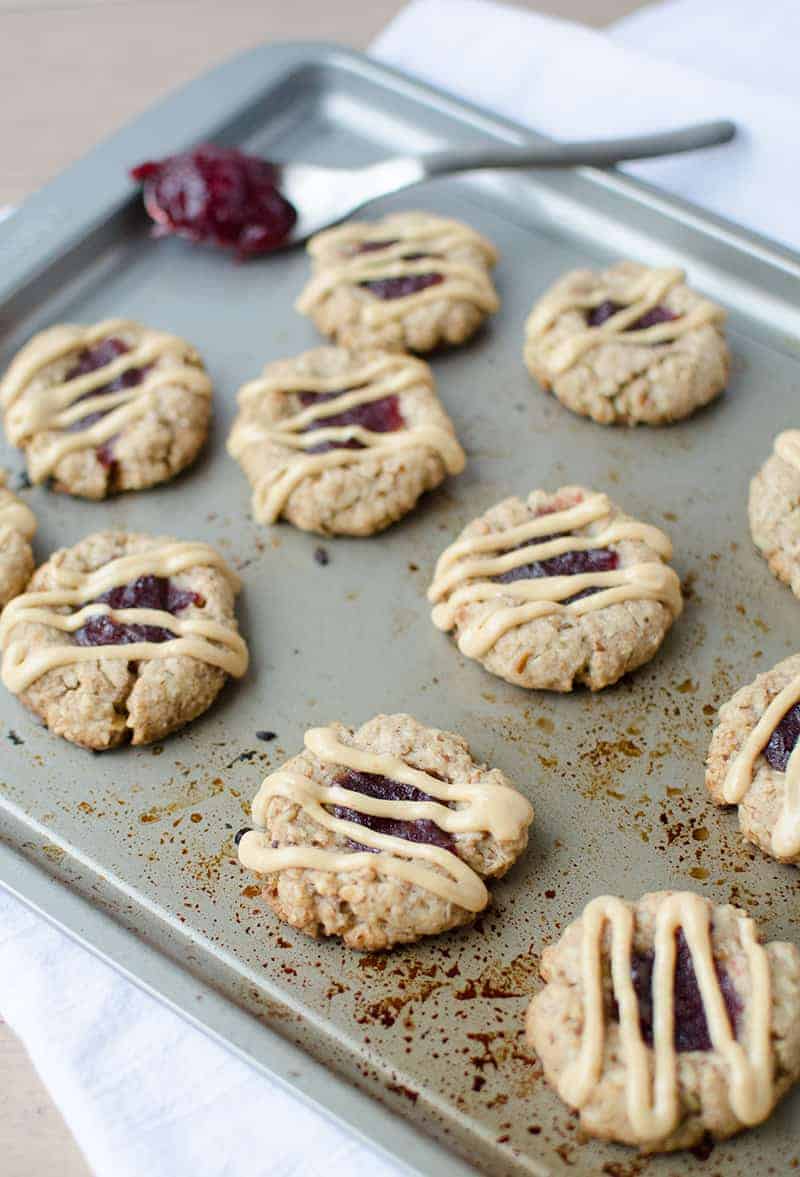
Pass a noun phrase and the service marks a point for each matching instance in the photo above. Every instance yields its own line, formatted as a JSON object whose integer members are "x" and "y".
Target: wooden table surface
{"x": 74, "y": 71}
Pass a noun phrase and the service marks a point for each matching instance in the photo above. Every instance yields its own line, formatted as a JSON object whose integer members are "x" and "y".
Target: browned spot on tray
{"x": 194, "y": 792}
{"x": 406, "y": 1092}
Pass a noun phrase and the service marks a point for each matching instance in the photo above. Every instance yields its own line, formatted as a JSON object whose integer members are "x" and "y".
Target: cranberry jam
{"x": 217, "y": 195}
{"x": 600, "y": 314}
{"x": 690, "y": 1025}
{"x": 783, "y": 739}
{"x": 98, "y": 356}
{"x": 371, "y": 785}
{"x": 148, "y": 592}
{"x": 380, "y": 416}
{"x": 387, "y": 288}
{"x": 567, "y": 564}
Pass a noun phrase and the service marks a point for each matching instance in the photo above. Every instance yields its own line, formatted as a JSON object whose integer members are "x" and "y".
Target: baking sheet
{"x": 420, "y": 1050}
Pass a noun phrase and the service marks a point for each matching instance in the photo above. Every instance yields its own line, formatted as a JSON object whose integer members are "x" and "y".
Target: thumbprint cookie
{"x": 409, "y": 282}
{"x": 112, "y": 407}
{"x": 667, "y": 1023}
{"x": 557, "y": 590}
{"x": 383, "y": 835}
{"x": 123, "y": 637}
{"x": 343, "y": 442}
{"x": 628, "y": 346}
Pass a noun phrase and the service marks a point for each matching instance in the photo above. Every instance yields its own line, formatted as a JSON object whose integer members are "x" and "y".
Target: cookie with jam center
{"x": 384, "y": 834}
{"x": 116, "y": 406}
{"x": 557, "y": 591}
{"x": 667, "y": 1023}
{"x": 410, "y": 282}
{"x": 123, "y": 637}
{"x": 343, "y": 442}
{"x": 627, "y": 346}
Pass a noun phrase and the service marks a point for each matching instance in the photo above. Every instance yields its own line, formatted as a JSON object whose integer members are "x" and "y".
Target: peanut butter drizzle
{"x": 488, "y": 808}
{"x": 436, "y": 237}
{"x": 14, "y": 514}
{"x": 739, "y": 777}
{"x": 212, "y": 642}
{"x": 58, "y": 406}
{"x": 643, "y": 294}
{"x": 652, "y": 1093}
{"x": 460, "y": 579}
{"x": 386, "y": 375}
{"x": 787, "y": 447}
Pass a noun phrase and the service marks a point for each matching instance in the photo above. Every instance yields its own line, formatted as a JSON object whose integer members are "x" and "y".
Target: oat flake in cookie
{"x": 123, "y": 637}
{"x": 754, "y": 763}
{"x": 383, "y": 835}
{"x": 773, "y": 509}
{"x": 411, "y": 281}
{"x": 343, "y": 442}
{"x": 17, "y": 529}
{"x": 666, "y": 1023}
{"x": 560, "y": 590}
{"x": 112, "y": 407}
{"x": 627, "y": 346}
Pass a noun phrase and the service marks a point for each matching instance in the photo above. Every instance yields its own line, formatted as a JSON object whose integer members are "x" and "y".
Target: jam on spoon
{"x": 217, "y": 195}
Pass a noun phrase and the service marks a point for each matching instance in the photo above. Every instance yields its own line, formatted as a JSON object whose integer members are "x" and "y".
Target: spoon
{"x": 324, "y": 196}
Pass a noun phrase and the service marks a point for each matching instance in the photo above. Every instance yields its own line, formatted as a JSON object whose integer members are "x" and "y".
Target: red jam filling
{"x": 567, "y": 564}
{"x": 380, "y": 416}
{"x": 371, "y": 785}
{"x": 690, "y": 1025}
{"x": 217, "y": 195}
{"x": 98, "y": 356}
{"x": 387, "y": 288}
{"x": 600, "y": 314}
{"x": 147, "y": 592}
{"x": 783, "y": 739}
{"x": 89, "y": 360}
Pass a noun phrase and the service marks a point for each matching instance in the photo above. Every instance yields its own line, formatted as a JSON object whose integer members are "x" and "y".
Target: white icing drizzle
{"x": 14, "y": 514}
{"x": 642, "y": 294}
{"x": 369, "y": 380}
{"x": 210, "y": 641}
{"x": 54, "y": 408}
{"x": 486, "y": 808}
{"x": 787, "y": 447}
{"x": 652, "y": 1082}
{"x": 739, "y": 777}
{"x": 463, "y": 573}
{"x": 412, "y": 233}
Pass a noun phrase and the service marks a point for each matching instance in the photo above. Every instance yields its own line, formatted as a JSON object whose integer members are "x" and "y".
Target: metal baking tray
{"x": 421, "y": 1050}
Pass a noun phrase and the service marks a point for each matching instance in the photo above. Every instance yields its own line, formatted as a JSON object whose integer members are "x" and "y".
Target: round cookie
{"x": 343, "y": 442}
{"x": 774, "y": 509}
{"x": 17, "y": 529}
{"x": 122, "y": 637}
{"x": 752, "y": 760}
{"x": 383, "y": 835}
{"x": 628, "y": 346}
{"x": 411, "y": 281}
{"x": 112, "y": 407}
{"x": 558, "y": 590}
{"x": 693, "y": 1032}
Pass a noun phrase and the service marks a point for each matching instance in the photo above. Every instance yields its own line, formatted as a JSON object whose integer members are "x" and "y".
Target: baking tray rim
{"x": 39, "y": 233}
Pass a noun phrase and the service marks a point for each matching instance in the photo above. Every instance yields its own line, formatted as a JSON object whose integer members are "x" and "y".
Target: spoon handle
{"x": 593, "y": 153}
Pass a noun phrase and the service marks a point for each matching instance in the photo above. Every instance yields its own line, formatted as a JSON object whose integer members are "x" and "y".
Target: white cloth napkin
{"x": 143, "y": 1092}
{"x": 573, "y": 83}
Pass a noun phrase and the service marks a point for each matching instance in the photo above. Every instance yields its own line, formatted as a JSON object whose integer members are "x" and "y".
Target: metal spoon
{"x": 324, "y": 196}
